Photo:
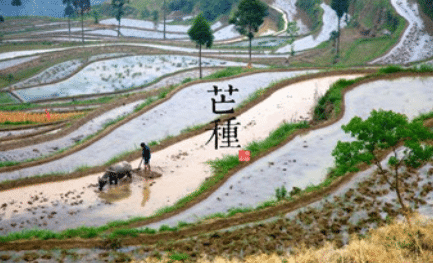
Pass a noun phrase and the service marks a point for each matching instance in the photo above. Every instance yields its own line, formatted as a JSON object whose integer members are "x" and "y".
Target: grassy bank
{"x": 6, "y": 98}
{"x": 396, "y": 242}
{"x": 364, "y": 50}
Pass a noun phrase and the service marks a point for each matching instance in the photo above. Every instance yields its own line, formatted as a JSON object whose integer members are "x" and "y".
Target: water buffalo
{"x": 114, "y": 173}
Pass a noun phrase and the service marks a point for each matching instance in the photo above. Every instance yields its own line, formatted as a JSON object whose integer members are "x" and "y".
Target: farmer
{"x": 146, "y": 156}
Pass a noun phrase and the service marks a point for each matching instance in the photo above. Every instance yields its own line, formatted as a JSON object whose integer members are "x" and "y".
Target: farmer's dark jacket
{"x": 146, "y": 152}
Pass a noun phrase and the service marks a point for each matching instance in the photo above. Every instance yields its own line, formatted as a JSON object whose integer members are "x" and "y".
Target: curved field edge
{"x": 105, "y": 98}
{"x": 365, "y": 50}
{"x": 71, "y": 74}
{"x": 160, "y": 93}
{"x": 121, "y": 122}
{"x": 309, "y": 195}
{"x": 35, "y": 133}
{"x": 163, "y": 95}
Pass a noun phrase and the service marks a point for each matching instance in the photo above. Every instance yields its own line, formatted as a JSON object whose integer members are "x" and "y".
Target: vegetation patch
{"x": 329, "y": 105}
{"x": 6, "y": 98}
{"x": 427, "y": 7}
{"x": 313, "y": 10}
{"x": 366, "y": 49}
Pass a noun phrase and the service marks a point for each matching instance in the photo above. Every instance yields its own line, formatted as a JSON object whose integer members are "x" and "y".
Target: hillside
{"x": 146, "y": 9}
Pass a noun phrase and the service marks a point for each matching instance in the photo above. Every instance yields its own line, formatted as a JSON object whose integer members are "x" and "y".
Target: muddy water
{"x": 190, "y": 106}
{"x": 182, "y": 167}
{"x": 63, "y": 205}
{"x": 305, "y": 160}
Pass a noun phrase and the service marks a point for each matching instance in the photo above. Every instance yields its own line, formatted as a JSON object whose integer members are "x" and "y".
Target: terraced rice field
{"x": 199, "y": 198}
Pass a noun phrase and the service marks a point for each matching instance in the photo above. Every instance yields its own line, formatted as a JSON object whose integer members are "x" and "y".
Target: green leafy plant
{"x": 179, "y": 257}
{"x": 280, "y": 193}
{"x": 384, "y": 130}
{"x": 248, "y": 18}
{"x": 201, "y": 33}
{"x": 292, "y": 30}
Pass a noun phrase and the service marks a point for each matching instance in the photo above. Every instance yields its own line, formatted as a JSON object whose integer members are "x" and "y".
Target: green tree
{"x": 119, "y": 12}
{"x": 155, "y": 16}
{"x": 145, "y": 13}
{"x": 16, "y": 2}
{"x": 248, "y": 18}
{"x": 292, "y": 30}
{"x": 384, "y": 130}
{"x": 69, "y": 11}
{"x": 95, "y": 15}
{"x": 340, "y": 7}
{"x": 201, "y": 33}
{"x": 81, "y": 7}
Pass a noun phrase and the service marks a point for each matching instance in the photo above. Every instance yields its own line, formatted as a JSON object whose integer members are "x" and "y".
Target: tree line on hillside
{"x": 211, "y": 9}
{"x": 247, "y": 20}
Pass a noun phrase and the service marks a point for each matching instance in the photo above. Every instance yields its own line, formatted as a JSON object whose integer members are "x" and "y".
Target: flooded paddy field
{"x": 188, "y": 107}
{"x": 72, "y": 204}
{"x": 416, "y": 42}
{"x": 305, "y": 160}
{"x": 151, "y": 25}
{"x": 61, "y": 71}
{"x": 118, "y": 74}
{"x": 259, "y": 42}
{"x": 329, "y": 24}
{"x": 289, "y": 7}
{"x": 227, "y": 32}
{"x": 182, "y": 165}
{"x": 48, "y": 147}
{"x": 11, "y": 63}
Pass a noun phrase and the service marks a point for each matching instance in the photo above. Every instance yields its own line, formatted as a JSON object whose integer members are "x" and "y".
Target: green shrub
{"x": 313, "y": 10}
{"x": 186, "y": 80}
{"x": 391, "y": 69}
{"x": 180, "y": 257}
{"x": 295, "y": 191}
{"x": 280, "y": 193}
